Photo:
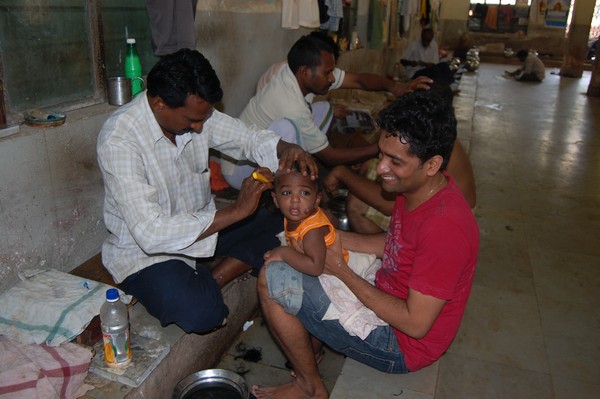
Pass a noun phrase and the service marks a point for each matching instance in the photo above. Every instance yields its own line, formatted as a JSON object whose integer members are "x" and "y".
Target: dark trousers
{"x": 529, "y": 77}
{"x": 173, "y": 292}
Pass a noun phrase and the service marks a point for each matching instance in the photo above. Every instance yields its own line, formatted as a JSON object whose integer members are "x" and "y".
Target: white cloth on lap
{"x": 50, "y": 307}
{"x": 355, "y": 317}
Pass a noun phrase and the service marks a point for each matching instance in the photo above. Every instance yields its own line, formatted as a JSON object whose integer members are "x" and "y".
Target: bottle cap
{"x": 130, "y": 40}
{"x": 112, "y": 294}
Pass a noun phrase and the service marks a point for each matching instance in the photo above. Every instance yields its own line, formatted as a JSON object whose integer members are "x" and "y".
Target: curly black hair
{"x": 181, "y": 74}
{"x": 425, "y": 121}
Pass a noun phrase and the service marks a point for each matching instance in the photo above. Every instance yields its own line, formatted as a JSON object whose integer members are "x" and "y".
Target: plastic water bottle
{"x": 114, "y": 321}
{"x": 133, "y": 68}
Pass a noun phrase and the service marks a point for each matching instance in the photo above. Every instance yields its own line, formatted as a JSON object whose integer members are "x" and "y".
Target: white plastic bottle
{"x": 114, "y": 320}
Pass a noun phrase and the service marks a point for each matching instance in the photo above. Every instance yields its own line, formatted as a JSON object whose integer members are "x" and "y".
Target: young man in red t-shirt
{"x": 428, "y": 261}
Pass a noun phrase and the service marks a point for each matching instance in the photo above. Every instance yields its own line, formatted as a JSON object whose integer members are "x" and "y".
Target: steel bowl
{"x": 337, "y": 205}
{"x": 212, "y": 384}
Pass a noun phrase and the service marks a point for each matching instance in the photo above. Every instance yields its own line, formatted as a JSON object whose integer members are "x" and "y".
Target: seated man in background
{"x": 421, "y": 58}
{"x": 153, "y": 154}
{"x": 533, "y": 69}
{"x": 288, "y": 93}
{"x": 428, "y": 259}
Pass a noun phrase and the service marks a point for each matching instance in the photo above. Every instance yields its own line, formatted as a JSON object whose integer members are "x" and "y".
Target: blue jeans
{"x": 303, "y": 296}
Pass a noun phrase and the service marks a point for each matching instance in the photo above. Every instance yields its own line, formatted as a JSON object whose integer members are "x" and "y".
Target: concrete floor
{"x": 531, "y": 325}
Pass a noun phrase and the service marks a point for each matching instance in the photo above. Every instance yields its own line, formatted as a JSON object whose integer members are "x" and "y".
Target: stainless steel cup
{"x": 119, "y": 90}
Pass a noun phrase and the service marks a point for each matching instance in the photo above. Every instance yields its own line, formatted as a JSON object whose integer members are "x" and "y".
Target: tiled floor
{"x": 531, "y": 329}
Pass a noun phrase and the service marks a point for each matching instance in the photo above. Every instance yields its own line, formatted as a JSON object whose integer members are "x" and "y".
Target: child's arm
{"x": 312, "y": 261}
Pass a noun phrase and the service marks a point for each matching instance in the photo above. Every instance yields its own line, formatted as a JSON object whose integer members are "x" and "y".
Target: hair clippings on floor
{"x": 250, "y": 354}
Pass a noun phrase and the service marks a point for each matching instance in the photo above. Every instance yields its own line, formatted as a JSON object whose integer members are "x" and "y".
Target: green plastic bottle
{"x": 133, "y": 68}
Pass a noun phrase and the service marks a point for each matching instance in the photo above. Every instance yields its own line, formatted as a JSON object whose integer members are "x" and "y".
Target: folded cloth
{"x": 49, "y": 306}
{"x": 42, "y": 372}
{"x": 355, "y": 317}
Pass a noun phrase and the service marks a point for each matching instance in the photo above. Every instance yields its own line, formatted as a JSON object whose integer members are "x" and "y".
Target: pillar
{"x": 576, "y": 42}
{"x": 454, "y": 19}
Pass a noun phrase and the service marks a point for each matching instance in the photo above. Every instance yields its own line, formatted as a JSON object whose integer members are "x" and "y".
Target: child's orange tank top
{"x": 316, "y": 220}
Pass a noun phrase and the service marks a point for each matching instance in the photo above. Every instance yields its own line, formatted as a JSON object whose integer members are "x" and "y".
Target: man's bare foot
{"x": 291, "y": 390}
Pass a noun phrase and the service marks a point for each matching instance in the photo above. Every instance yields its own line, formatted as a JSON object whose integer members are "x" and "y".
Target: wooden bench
{"x": 93, "y": 269}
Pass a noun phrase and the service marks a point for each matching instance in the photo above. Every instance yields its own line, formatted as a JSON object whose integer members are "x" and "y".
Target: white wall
{"x": 242, "y": 40}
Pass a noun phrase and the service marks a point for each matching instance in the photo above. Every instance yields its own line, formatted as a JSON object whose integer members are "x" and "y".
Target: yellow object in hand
{"x": 257, "y": 176}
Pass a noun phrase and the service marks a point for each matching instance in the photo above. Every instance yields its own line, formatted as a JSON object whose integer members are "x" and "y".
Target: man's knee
{"x": 354, "y": 206}
{"x": 459, "y": 167}
{"x": 281, "y": 284}
{"x": 201, "y": 306}
{"x": 204, "y": 318}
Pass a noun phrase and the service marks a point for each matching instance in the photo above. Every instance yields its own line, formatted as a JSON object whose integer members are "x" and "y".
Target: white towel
{"x": 355, "y": 317}
{"x": 297, "y": 13}
{"x": 49, "y": 306}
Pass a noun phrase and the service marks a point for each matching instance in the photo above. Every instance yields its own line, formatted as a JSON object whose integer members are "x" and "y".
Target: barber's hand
{"x": 251, "y": 190}
{"x": 419, "y": 83}
{"x": 263, "y": 175}
{"x": 290, "y": 153}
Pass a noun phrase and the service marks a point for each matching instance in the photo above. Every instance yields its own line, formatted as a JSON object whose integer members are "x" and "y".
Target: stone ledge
{"x": 188, "y": 353}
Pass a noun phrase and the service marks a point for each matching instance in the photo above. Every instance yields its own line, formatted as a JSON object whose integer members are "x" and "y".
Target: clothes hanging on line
{"x": 423, "y": 12}
{"x": 506, "y": 14}
{"x": 172, "y": 25}
{"x": 335, "y": 12}
{"x": 491, "y": 17}
{"x": 297, "y": 13}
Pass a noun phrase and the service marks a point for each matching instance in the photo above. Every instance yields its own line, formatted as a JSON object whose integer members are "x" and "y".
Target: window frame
{"x": 94, "y": 11}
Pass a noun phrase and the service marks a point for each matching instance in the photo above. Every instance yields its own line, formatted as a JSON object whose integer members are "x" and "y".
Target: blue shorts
{"x": 303, "y": 296}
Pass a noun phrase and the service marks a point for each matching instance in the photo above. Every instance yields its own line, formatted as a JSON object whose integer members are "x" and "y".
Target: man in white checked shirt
{"x": 158, "y": 208}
